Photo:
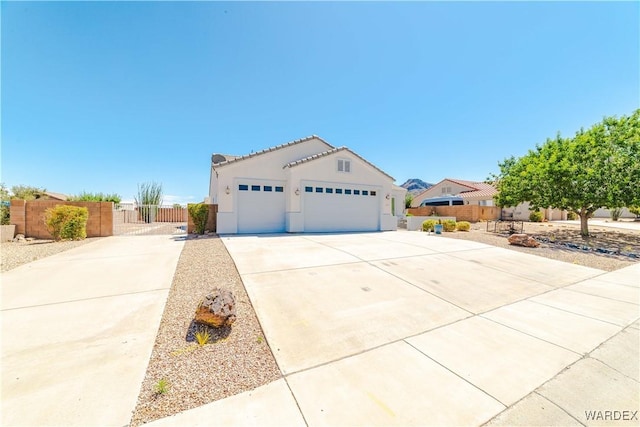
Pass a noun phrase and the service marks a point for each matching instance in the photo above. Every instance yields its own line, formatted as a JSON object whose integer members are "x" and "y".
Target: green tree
{"x": 26, "y": 192}
{"x": 408, "y": 199}
{"x": 599, "y": 167}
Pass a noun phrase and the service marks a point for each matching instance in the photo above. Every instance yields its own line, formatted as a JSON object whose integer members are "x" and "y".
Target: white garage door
{"x": 261, "y": 207}
{"x": 340, "y": 207}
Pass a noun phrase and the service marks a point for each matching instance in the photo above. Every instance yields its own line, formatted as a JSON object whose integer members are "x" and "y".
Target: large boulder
{"x": 523, "y": 240}
{"x": 217, "y": 309}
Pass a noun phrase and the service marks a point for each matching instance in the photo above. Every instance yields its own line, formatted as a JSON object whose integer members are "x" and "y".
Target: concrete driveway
{"x": 402, "y": 328}
{"x": 78, "y": 329}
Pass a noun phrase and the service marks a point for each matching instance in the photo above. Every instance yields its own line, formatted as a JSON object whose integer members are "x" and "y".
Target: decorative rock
{"x": 523, "y": 240}
{"x": 217, "y": 309}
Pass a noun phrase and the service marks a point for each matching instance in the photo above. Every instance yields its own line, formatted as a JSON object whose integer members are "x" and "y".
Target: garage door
{"x": 340, "y": 207}
{"x": 261, "y": 207}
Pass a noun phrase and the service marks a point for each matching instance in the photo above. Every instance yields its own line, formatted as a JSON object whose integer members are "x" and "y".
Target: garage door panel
{"x": 341, "y": 211}
{"x": 261, "y": 208}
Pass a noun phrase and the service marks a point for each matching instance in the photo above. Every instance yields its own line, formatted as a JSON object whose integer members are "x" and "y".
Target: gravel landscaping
{"x": 15, "y": 254}
{"x": 624, "y": 241}
{"x": 238, "y": 360}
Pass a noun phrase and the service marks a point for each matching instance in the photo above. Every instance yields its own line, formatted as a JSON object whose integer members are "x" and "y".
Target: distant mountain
{"x": 416, "y": 186}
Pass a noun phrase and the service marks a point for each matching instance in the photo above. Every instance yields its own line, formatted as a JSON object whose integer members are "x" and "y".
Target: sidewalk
{"x": 78, "y": 329}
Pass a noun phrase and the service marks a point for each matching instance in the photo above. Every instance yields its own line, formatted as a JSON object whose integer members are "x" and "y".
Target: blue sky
{"x": 101, "y": 96}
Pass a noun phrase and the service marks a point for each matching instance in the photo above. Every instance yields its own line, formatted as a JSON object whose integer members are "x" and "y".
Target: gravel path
{"x": 239, "y": 359}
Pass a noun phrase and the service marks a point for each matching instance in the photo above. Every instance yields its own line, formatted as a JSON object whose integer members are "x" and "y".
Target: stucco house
{"x": 472, "y": 192}
{"x": 306, "y": 185}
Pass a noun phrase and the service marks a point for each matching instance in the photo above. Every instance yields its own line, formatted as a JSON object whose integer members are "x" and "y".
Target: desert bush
{"x": 635, "y": 210}
{"x": 67, "y": 222}
{"x": 5, "y": 210}
{"x": 96, "y": 197}
{"x": 615, "y": 213}
{"x": 463, "y": 226}
{"x": 571, "y": 216}
{"x": 428, "y": 225}
{"x": 149, "y": 193}
{"x": 449, "y": 225}
{"x": 198, "y": 213}
{"x": 535, "y": 216}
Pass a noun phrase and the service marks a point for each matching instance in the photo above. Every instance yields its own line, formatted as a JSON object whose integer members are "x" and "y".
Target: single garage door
{"x": 340, "y": 207}
{"x": 261, "y": 207}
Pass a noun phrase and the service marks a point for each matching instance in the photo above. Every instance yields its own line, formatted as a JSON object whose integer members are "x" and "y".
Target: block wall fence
{"x": 28, "y": 217}
{"x": 471, "y": 213}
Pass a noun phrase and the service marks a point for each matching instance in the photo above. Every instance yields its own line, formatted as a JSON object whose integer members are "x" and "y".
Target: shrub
{"x": 198, "y": 213}
{"x": 615, "y": 213}
{"x": 96, "y": 197}
{"x": 571, "y": 216}
{"x": 149, "y": 193}
{"x": 4, "y": 214}
{"x": 67, "y": 222}
{"x": 428, "y": 225}
{"x": 535, "y": 216}
{"x": 463, "y": 226}
{"x": 449, "y": 225}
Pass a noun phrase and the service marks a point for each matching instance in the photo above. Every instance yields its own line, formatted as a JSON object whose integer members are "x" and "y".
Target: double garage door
{"x": 340, "y": 207}
{"x": 326, "y": 207}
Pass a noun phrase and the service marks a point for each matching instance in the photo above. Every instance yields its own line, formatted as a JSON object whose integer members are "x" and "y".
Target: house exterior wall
{"x": 325, "y": 169}
{"x": 606, "y": 213}
{"x": 436, "y": 191}
{"x": 267, "y": 166}
{"x": 269, "y": 169}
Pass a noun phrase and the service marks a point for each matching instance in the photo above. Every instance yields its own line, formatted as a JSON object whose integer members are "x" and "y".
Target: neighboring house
{"x": 56, "y": 196}
{"x": 306, "y": 185}
{"x": 473, "y": 193}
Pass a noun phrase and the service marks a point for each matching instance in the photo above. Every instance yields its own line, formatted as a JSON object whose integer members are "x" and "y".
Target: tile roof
{"x": 476, "y": 189}
{"x": 333, "y": 151}
{"x": 233, "y": 159}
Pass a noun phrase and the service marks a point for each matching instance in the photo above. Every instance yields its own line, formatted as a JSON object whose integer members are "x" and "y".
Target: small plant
{"x": 449, "y": 225}
{"x": 198, "y": 213}
{"x": 428, "y": 225}
{"x": 463, "y": 226}
{"x": 67, "y": 222}
{"x": 259, "y": 340}
{"x": 535, "y": 216}
{"x": 162, "y": 386}
{"x": 572, "y": 216}
{"x": 203, "y": 336}
{"x": 615, "y": 213}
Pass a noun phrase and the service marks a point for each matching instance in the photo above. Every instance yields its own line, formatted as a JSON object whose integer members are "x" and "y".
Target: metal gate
{"x": 130, "y": 219}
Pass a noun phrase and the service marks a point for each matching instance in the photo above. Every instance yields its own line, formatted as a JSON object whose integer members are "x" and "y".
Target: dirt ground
{"x": 606, "y": 248}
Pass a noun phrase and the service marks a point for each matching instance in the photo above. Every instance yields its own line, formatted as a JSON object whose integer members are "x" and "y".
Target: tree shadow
{"x": 216, "y": 334}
